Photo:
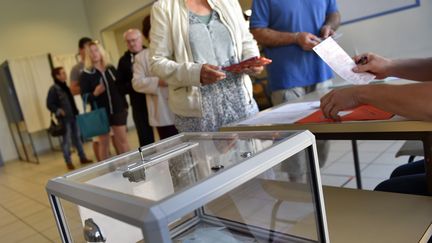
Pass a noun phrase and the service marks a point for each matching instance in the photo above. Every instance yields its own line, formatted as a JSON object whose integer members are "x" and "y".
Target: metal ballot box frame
{"x": 201, "y": 187}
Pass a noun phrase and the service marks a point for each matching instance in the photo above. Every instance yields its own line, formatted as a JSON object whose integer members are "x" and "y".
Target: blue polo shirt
{"x": 291, "y": 66}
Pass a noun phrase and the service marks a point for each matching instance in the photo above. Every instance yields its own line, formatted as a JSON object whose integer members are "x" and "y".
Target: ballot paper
{"x": 296, "y": 107}
{"x": 341, "y": 62}
{"x": 283, "y": 114}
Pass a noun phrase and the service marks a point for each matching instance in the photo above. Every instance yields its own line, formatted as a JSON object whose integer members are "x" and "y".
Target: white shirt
{"x": 159, "y": 113}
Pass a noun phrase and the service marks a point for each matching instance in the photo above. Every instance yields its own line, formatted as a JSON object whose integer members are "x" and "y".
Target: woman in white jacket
{"x": 191, "y": 40}
{"x": 156, "y": 90}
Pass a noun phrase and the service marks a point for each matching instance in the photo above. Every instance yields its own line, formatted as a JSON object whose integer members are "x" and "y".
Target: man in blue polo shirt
{"x": 288, "y": 30}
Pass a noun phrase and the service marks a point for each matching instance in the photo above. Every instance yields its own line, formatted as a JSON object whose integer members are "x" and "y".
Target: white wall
{"x": 402, "y": 34}
{"x": 103, "y": 13}
{"x": 37, "y": 27}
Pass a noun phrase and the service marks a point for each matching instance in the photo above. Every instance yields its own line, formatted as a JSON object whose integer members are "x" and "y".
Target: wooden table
{"x": 377, "y": 217}
{"x": 394, "y": 129}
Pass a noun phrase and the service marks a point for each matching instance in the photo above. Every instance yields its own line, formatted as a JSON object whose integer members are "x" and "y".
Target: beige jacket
{"x": 159, "y": 114}
{"x": 171, "y": 55}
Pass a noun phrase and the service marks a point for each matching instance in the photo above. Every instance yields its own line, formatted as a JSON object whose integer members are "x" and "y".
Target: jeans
{"x": 72, "y": 135}
{"x": 295, "y": 165}
{"x": 408, "y": 178}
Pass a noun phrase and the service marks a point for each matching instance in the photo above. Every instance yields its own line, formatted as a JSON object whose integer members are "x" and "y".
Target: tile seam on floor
{"x": 23, "y": 194}
{"x": 21, "y": 178}
{"x": 24, "y": 222}
{"x": 346, "y": 182}
{"x": 330, "y": 174}
{"x": 39, "y": 233}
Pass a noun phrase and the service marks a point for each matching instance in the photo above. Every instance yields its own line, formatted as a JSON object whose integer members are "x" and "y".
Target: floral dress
{"x": 223, "y": 102}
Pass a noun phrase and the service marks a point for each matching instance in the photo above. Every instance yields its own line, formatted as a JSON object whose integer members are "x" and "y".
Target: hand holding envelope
{"x": 247, "y": 64}
{"x": 211, "y": 74}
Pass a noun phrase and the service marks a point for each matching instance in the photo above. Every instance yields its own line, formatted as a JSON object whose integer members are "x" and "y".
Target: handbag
{"x": 93, "y": 123}
{"x": 56, "y": 129}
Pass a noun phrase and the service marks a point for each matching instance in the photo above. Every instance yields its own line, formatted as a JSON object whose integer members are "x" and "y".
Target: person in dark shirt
{"x": 79, "y": 67}
{"x": 98, "y": 82}
{"x": 61, "y": 103}
{"x": 134, "y": 41}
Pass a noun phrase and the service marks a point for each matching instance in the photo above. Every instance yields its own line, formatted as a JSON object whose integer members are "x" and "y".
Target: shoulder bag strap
{"x": 85, "y": 98}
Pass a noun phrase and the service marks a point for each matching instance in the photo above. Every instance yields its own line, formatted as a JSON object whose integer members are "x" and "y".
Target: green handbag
{"x": 93, "y": 123}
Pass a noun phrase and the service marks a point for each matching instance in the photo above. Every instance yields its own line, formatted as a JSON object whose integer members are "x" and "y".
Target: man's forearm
{"x": 412, "y": 100}
{"x": 272, "y": 38}
{"x": 413, "y": 69}
{"x": 333, "y": 20}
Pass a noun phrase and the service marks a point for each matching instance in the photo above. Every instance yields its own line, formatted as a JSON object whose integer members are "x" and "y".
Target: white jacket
{"x": 159, "y": 113}
{"x": 171, "y": 55}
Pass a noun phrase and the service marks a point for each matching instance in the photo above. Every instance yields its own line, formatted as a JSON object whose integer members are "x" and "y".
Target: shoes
{"x": 70, "y": 166}
{"x": 86, "y": 161}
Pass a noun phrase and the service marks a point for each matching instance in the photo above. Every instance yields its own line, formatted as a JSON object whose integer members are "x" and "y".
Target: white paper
{"x": 295, "y": 107}
{"x": 341, "y": 62}
{"x": 268, "y": 118}
{"x": 284, "y": 114}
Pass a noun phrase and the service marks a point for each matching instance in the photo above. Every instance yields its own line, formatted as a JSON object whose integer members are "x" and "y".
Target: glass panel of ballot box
{"x": 197, "y": 187}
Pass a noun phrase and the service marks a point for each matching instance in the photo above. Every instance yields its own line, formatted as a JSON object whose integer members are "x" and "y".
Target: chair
{"x": 412, "y": 149}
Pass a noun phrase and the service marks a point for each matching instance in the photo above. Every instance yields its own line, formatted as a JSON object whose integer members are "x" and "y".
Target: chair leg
{"x": 411, "y": 158}
{"x": 273, "y": 220}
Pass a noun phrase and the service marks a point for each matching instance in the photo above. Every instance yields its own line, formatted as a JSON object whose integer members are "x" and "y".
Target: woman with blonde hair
{"x": 98, "y": 84}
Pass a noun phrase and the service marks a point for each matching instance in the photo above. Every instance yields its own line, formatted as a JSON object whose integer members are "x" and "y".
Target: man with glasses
{"x": 134, "y": 41}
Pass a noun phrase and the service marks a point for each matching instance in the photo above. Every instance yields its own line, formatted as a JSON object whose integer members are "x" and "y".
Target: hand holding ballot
{"x": 327, "y": 31}
{"x": 412, "y": 101}
{"x": 338, "y": 60}
{"x": 306, "y": 40}
{"x": 210, "y": 74}
{"x": 254, "y": 65}
{"x": 372, "y": 63}
{"x": 348, "y": 98}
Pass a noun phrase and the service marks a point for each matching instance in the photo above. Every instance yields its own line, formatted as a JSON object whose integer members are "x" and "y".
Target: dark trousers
{"x": 408, "y": 178}
{"x": 167, "y": 131}
{"x": 144, "y": 130}
{"x": 72, "y": 134}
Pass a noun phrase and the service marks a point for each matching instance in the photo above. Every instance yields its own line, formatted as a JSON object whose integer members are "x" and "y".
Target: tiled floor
{"x": 25, "y": 214}
{"x": 377, "y": 161}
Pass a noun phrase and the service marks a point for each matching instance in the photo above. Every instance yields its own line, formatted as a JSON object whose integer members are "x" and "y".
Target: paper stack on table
{"x": 283, "y": 114}
{"x": 341, "y": 62}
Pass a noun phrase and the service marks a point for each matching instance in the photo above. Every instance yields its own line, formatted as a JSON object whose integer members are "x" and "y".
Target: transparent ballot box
{"x": 197, "y": 187}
